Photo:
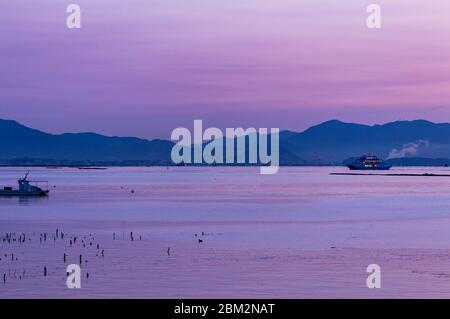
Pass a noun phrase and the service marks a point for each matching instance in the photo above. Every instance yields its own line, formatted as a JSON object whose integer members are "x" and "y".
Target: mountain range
{"x": 334, "y": 142}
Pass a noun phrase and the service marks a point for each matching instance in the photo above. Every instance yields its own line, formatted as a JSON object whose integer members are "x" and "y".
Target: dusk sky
{"x": 145, "y": 67}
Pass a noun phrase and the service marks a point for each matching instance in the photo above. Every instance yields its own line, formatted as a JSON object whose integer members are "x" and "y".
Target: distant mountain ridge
{"x": 19, "y": 141}
{"x": 331, "y": 142}
{"x": 334, "y": 141}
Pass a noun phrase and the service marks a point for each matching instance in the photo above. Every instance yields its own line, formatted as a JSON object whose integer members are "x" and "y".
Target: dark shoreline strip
{"x": 394, "y": 174}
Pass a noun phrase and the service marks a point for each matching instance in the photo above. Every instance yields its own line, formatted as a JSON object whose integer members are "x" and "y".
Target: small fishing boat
{"x": 26, "y": 188}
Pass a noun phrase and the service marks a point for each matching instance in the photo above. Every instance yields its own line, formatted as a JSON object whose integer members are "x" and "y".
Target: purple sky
{"x": 144, "y": 67}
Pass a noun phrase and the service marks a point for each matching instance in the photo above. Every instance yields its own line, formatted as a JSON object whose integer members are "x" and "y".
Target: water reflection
{"x": 22, "y": 200}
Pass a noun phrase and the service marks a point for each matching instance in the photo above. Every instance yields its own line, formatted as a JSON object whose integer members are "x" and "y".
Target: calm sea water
{"x": 299, "y": 233}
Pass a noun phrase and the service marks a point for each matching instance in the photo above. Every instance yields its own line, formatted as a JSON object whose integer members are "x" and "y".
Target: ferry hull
{"x": 363, "y": 168}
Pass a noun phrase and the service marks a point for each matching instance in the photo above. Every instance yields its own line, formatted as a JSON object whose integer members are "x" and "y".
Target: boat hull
{"x": 4, "y": 193}
{"x": 368, "y": 168}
